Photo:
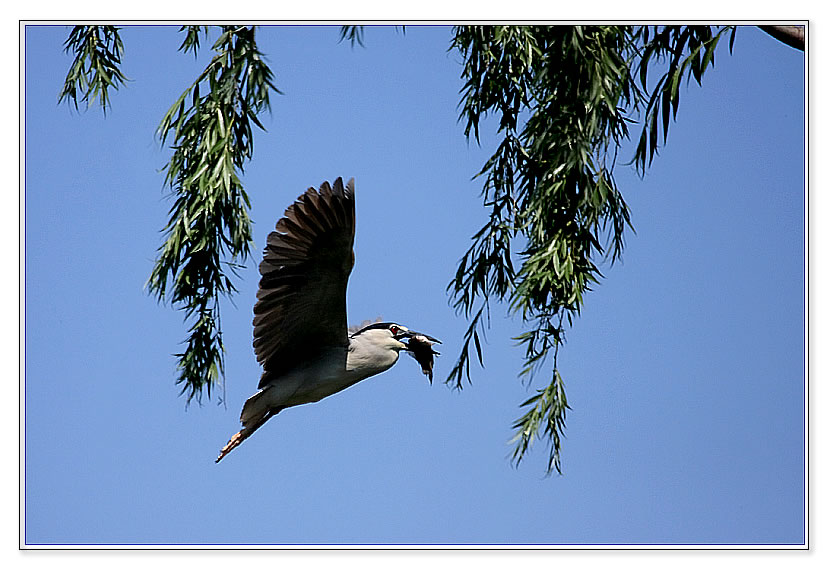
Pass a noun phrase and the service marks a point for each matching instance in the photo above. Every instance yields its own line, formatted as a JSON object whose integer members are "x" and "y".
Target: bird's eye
{"x": 393, "y": 329}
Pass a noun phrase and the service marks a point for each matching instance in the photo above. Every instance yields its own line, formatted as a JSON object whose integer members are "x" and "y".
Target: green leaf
{"x": 478, "y": 348}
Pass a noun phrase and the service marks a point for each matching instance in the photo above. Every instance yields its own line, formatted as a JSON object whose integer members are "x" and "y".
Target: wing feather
{"x": 301, "y": 301}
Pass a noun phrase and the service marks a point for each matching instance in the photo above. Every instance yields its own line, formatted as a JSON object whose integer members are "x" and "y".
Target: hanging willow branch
{"x": 564, "y": 98}
{"x": 95, "y": 69}
{"x": 208, "y": 235}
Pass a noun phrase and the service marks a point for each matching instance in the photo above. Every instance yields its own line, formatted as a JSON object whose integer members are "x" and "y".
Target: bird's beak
{"x": 412, "y": 334}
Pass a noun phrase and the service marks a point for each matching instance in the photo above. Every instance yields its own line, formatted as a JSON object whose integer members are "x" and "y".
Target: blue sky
{"x": 685, "y": 372}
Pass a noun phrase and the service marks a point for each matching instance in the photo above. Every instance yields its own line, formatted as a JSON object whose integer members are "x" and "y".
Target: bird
{"x": 301, "y": 339}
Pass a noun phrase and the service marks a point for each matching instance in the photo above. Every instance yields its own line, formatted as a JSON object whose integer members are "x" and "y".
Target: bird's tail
{"x": 248, "y": 428}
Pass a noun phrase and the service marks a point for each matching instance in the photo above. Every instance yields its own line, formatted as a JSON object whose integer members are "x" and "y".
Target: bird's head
{"x": 417, "y": 344}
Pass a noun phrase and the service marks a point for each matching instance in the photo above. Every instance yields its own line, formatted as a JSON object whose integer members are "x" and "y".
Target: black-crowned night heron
{"x": 300, "y": 334}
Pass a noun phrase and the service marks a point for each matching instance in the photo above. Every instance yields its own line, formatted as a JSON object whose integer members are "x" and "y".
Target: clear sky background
{"x": 685, "y": 372}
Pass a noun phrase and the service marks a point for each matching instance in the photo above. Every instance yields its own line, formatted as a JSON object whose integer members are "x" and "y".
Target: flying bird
{"x": 300, "y": 335}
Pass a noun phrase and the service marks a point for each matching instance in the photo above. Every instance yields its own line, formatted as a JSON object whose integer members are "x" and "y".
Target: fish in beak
{"x": 419, "y": 346}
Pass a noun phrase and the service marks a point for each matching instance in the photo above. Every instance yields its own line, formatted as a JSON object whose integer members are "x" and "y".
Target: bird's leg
{"x": 246, "y": 432}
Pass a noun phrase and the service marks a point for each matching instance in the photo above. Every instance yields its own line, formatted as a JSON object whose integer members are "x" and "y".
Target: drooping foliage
{"x": 95, "y": 68}
{"x": 564, "y": 99}
{"x": 209, "y": 234}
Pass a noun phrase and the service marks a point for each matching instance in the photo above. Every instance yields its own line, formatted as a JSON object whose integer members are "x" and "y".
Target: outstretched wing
{"x": 301, "y": 302}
